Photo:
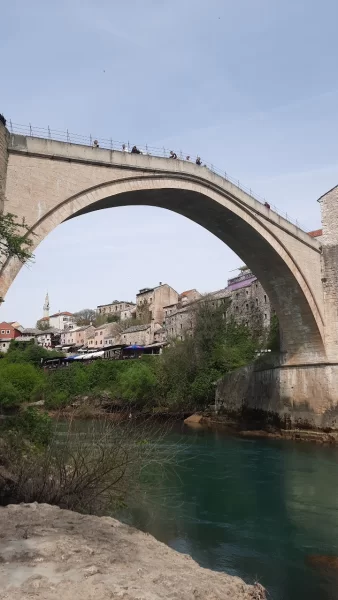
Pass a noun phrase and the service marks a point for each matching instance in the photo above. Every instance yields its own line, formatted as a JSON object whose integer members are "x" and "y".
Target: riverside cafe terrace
{"x": 118, "y": 352}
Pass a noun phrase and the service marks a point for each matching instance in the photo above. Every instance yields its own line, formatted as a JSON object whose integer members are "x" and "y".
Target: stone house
{"x": 77, "y": 336}
{"x": 244, "y": 300}
{"x": 61, "y": 321}
{"x": 184, "y": 299}
{"x": 150, "y": 302}
{"x": 129, "y": 313}
{"x": 8, "y": 331}
{"x": 115, "y": 308}
{"x": 107, "y": 330}
{"x": 24, "y": 335}
{"x": 189, "y": 296}
{"x": 179, "y": 322}
{"x": 160, "y": 335}
{"x": 141, "y": 335}
{"x": 49, "y": 338}
{"x": 250, "y": 304}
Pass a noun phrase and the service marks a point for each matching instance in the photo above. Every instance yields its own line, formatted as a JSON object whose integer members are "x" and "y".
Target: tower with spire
{"x": 46, "y": 307}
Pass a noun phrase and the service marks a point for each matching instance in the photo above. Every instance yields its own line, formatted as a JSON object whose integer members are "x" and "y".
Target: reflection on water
{"x": 262, "y": 509}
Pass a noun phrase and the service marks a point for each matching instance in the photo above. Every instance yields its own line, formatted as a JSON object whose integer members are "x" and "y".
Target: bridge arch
{"x": 248, "y": 232}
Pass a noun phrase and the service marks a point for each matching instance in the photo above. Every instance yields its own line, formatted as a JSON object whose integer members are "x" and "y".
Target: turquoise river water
{"x": 260, "y": 509}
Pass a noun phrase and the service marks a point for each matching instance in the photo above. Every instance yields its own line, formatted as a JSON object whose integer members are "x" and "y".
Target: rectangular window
{"x": 265, "y": 298}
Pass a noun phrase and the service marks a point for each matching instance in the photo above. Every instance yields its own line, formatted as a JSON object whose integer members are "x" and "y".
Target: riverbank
{"x": 250, "y": 426}
{"x": 51, "y": 553}
{"x": 239, "y": 428}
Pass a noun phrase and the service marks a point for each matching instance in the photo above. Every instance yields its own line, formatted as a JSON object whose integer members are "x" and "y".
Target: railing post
{"x": 147, "y": 149}
{"x": 128, "y": 147}
{"x": 30, "y": 130}
{"x": 67, "y": 136}
{"x": 90, "y": 140}
{"x": 111, "y": 144}
{"x": 49, "y": 132}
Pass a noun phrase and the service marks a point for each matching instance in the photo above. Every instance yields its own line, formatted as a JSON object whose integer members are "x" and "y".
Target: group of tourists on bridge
{"x": 173, "y": 154}
{"x": 135, "y": 150}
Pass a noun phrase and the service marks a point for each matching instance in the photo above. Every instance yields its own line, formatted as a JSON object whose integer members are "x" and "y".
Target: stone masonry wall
{"x": 250, "y": 306}
{"x": 329, "y": 213}
{"x": 3, "y": 164}
{"x": 302, "y": 396}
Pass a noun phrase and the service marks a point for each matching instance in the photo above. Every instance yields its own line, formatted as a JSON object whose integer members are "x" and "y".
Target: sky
{"x": 249, "y": 85}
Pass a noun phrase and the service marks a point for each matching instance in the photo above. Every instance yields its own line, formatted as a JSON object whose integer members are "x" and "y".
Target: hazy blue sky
{"x": 249, "y": 85}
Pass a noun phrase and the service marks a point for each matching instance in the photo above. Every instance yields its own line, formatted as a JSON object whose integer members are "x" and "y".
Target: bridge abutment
{"x": 292, "y": 396}
{"x": 329, "y": 268}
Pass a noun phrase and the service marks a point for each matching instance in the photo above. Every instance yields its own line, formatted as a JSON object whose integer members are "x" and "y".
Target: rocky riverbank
{"x": 241, "y": 428}
{"x": 48, "y": 553}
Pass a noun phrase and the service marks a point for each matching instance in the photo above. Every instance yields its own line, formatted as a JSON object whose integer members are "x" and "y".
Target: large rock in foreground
{"x": 47, "y": 554}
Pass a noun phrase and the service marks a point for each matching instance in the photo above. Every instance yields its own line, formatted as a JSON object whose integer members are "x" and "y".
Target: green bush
{"x": 32, "y": 425}
{"x": 9, "y": 396}
{"x": 137, "y": 382}
{"x": 23, "y": 377}
{"x": 57, "y": 400}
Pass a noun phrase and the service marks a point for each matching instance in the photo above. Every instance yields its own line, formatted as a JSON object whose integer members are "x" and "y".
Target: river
{"x": 254, "y": 508}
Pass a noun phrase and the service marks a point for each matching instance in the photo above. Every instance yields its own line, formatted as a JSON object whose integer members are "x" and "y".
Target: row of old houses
{"x": 160, "y": 313}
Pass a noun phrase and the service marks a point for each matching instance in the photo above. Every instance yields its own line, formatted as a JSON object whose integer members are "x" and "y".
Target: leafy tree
{"x": 9, "y": 395}
{"x": 113, "y": 319}
{"x": 137, "y": 383}
{"x": 23, "y": 352}
{"x": 86, "y": 316}
{"x": 23, "y": 377}
{"x": 13, "y": 238}
{"x": 14, "y": 241}
{"x": 42, "y": 325}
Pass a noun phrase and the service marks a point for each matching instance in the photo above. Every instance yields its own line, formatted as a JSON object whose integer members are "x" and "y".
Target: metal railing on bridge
{"x": 110, "y": 144}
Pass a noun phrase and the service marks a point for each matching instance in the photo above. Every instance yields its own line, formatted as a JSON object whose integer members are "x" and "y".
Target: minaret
{"x": 46, "y": 307}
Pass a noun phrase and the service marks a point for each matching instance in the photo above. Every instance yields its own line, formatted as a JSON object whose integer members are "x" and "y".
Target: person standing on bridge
{"x": 96, "y": 144}
{"x": 135, "y": 150}
{"x": 124, "y": 148}
{"x": 172, "y": 154}
{"x": 198, "y": 161}
{"x": 267, "y": 205}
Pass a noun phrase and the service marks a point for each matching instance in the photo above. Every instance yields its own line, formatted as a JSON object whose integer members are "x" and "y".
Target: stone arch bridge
{"x": 48, "y": 182}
